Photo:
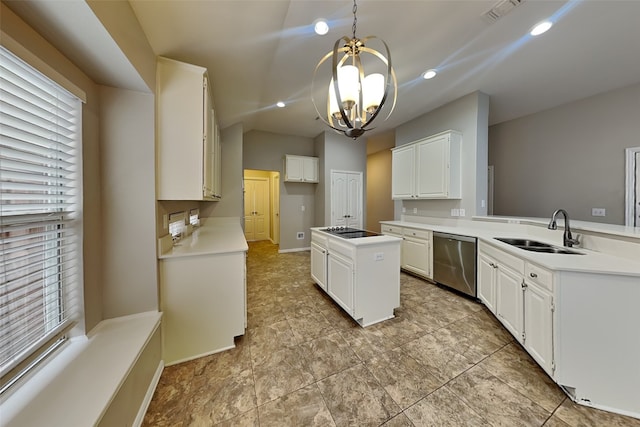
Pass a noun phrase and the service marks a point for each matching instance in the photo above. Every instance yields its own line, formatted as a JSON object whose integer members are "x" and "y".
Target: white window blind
{"x": 40, "y": 128}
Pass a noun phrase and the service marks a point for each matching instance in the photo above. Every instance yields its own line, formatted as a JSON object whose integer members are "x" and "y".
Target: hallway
{"x": 443, "y": 360}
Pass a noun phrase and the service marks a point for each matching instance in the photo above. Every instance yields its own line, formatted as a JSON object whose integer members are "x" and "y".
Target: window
{"x": 40, "y": 131}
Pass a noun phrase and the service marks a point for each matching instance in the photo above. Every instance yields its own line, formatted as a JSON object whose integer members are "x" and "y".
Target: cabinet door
{"x": 415, "y": 254}
{"x": 432, "y": 170}
{"x": 402, "y": 172}
{"x": 294, "y": 167}
{"x": 487, "y": 281}
{"x": 310, "y": 169}
{"x": 208, "y": 154}
{"x": 538, "y": 325}
{"x": 509, "y": 300}
{"x": 319, "y": 265}
{"x": 340, "y": 281}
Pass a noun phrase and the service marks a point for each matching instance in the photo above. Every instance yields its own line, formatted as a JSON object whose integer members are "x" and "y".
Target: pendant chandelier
{"x": 354, "y": 99}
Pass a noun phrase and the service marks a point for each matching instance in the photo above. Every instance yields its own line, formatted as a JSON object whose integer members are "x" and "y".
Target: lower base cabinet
{"x": 203, "y": 303}
{"x": 538, "y": 325}
{"x": 341, "y": 276}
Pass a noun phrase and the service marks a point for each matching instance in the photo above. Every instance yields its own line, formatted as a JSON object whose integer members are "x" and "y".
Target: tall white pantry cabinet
{"x": 188, "y": 138}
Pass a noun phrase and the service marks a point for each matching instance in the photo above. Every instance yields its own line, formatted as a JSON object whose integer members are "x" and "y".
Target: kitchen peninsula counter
{"x": 203, "y": 291}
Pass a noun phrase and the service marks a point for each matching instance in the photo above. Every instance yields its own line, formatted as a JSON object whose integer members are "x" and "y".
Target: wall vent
{"x": 500, "y": 9}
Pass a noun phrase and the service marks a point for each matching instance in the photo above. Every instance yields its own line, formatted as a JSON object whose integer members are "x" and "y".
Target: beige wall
{"x": 380, "y": 207}
{"x": 266, "y": 151}
{"x": 569, "y": 157}
{"x": 128, "y": 202}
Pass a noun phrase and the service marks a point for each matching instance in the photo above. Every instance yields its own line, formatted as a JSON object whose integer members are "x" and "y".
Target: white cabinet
{"x": 300, "y": 169}
{"x": 538, "y": 315}
{"x": 487, "y": 272}
{"x": 362, "y": 277}
{"x": 417, "y": 252}
{"x": 319, "y": 261}
{"x": 186, "y": 133}
{"x": 428, "y": 168}
{"x": 520, "y": 294}
{"x": 340, "y": 274}
{"x": 202, "y": 299}
{"x": 509, "y": 306}
{"x": 346, "y": 199}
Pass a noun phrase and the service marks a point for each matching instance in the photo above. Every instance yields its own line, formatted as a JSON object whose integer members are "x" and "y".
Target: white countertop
{"x": 361, "y": 241}
{"x": 591, "y": 262}
{"x": 214, "y": 237}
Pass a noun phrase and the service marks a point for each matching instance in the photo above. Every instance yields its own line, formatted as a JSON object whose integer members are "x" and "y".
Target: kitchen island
{"x": 359, "y": 270}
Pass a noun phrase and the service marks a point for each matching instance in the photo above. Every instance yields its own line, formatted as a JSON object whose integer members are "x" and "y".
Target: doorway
{"x": 632, "y": 190}
{"x": 261, "y": 205}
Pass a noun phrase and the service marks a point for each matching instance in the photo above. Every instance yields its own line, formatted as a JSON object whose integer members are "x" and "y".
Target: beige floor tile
{"x": 327, "y": 355}
{"x": 355, "y": 398}
{"x": 304, "y": 407}
{"x": 442, "y": 361}
{"x": 495, "y": 401}
{"x": 443, "y": 408}
{"x": 515, "y": 367}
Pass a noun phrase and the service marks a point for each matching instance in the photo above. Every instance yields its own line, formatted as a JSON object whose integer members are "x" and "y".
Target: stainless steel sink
{"x": 535, "y": 246}
{"x": 524, "y": 242}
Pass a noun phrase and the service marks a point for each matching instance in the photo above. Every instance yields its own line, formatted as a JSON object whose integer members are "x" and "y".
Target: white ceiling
{"x": 259, "y": 52}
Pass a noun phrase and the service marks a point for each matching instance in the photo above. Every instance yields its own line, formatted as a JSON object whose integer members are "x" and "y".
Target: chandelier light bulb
{"x": 372, "y": 91}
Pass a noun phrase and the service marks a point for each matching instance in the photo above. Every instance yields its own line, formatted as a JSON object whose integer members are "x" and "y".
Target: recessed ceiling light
{"x": 280, "y": 104}
{"x": 321, "y": 27}
{"x": 429, "y": 74}
{"x": 541, "y": 27}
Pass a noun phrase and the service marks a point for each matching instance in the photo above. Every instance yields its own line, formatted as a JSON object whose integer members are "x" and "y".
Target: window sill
{"x": 78, "y": 384}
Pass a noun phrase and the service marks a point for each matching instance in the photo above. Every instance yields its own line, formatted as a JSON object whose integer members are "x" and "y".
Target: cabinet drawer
{"x": 503, "y": 258}
{"x": 391, "y": 229}
{"x": 418, "y": 234}
{"x": 539, "y": 276}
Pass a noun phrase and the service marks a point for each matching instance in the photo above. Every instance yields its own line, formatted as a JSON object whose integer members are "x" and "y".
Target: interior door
{"x": 256, "y": 208}
{"x": 346, "y": 199}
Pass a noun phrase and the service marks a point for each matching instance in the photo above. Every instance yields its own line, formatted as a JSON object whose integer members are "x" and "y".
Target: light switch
{"x": 379, "y": 256}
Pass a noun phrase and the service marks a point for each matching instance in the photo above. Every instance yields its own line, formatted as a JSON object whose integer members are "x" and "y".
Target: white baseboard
{"x": 149, "y": 395}
{"x": 284, "y": 251}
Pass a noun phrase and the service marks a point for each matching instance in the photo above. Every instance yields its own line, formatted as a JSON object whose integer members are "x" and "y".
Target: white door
{"x": 256, "y": 208}
{"x": 538, "y": 326}
{"x": 346, "y": 199}
{"x": 340, "y": 281}
{"x": 509, "y": 301}
{"x": 402, "y": 172}
{"x": 486, "y": 282}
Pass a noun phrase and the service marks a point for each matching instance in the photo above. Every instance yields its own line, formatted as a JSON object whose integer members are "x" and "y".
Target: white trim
{"x": 149, "y": 395}
{"x": 284, "y": 251}
{"x": 629, "y": 196}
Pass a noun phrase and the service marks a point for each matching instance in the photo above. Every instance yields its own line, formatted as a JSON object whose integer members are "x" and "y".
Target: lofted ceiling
{"x": 259, "y": 52}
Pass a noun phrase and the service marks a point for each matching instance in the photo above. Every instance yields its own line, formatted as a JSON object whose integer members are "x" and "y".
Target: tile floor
{"x": 442, "y": 361}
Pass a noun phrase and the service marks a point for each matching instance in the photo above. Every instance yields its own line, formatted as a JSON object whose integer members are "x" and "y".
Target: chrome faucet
{"x": 567, "y": 238}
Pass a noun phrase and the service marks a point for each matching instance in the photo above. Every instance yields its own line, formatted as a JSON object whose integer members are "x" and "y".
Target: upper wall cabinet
{"x": 188, "y": 143}
{"x": 428, "y": 168}
{"x": 300, "y": 169}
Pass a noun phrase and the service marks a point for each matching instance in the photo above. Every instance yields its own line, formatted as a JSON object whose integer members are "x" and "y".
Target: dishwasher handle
{"x": 454, "y": 237}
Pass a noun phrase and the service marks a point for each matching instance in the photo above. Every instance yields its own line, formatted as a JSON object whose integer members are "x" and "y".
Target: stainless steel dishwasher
{"x": 454, "y": 262}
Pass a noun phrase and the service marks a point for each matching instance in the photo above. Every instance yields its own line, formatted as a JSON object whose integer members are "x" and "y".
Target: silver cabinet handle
{"x": 534, "y": 275}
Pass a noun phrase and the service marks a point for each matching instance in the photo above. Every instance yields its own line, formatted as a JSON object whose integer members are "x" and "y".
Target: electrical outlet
{"x": 378, "y": 256}
{"x": 455, "y": 212}
{"x": 598, "y": 212}
{"x": 462, "y": 212}
{"x": 415, "y": 210}
{"x": 302, "y": 208}
{"x": 300, "y": 235}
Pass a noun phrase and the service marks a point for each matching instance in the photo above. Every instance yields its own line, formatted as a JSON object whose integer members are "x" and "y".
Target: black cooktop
{"x": 349, "y": 233}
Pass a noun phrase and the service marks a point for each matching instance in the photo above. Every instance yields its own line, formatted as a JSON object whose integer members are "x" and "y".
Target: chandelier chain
{"x": 355, "y": 19}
